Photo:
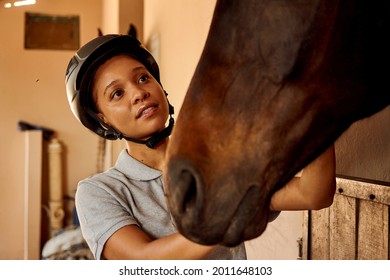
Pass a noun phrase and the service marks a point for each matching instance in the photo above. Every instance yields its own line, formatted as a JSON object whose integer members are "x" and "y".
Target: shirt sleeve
{"x": 101, "y": 212}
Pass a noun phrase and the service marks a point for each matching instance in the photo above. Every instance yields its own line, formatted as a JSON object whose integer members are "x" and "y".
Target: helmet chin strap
{"x": 155, "y": 139}
{"x": 110, "y": 133}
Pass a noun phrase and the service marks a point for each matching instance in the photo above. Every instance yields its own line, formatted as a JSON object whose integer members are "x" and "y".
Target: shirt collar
{"x": 134, "y": 169}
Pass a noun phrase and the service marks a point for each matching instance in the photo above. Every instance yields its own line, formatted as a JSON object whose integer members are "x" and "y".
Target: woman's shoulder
{"x": 110, "y": 176}
{"x": 108, "y": 181}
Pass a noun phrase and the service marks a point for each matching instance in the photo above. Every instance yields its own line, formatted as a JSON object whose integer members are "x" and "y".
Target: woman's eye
{"x": 143, "y": 79}
{"x": 116, "y": 94}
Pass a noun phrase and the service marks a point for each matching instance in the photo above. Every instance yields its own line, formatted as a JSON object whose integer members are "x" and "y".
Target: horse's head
{"x": 277, "y": 83}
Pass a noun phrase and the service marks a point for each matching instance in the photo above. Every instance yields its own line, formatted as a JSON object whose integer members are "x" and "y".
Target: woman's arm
{"x": 130, "y": 242}
{"x": 313, "y": 190}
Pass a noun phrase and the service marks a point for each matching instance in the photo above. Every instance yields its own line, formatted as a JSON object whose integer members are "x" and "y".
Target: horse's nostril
{"x": 185, "y": 194}
{"x": 188, "y": 182}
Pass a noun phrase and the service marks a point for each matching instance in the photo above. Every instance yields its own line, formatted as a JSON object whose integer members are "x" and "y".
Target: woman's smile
{"x": 147, "y": 110}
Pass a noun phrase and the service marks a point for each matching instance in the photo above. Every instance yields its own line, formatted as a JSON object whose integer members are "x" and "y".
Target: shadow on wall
{"x": 363, "y": 151}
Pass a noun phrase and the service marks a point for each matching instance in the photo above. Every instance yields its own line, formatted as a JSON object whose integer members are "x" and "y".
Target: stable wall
{"x": 363, "y": 151}
{"x": 176, "y": 34}
{"x": 32, "y": 89}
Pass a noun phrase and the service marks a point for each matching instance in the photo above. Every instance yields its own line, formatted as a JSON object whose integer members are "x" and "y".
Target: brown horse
{"x": 277, "y": 83}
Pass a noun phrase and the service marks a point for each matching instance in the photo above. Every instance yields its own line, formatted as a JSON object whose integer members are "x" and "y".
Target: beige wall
{"x": 135, "y": 8}
{"x": 182, "y": 28}
{"x": 32, "y": 89}
{"x": 363, "y": 151}
{"x": 119, "y": 14}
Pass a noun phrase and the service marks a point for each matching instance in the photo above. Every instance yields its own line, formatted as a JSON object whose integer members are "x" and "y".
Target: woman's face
{"x": 129, "y": 98}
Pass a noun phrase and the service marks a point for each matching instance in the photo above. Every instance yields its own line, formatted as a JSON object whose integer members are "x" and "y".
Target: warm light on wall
{"x": 19, "y": 3}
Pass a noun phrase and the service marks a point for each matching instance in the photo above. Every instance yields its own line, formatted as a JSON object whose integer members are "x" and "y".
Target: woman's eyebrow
{"x": 112, "y": 83}
{"x": 139, "y": 68}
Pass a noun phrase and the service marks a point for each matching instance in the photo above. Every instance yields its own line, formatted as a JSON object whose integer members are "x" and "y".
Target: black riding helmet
{"x": 81, "y": 70}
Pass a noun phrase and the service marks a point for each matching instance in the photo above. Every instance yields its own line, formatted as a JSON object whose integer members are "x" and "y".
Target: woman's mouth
{"x": 146, "y": 110}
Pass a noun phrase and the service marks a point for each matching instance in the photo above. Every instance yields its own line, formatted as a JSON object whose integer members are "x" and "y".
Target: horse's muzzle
{"x": 219, "y": 219}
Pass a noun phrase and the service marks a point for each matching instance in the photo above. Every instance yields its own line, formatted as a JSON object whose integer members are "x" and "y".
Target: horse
{"x": 277, "y": 83}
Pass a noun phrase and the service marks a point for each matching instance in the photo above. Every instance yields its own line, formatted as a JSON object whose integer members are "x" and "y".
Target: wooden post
{"x": 57, "y": 212}
{"x": 32, "y": 194}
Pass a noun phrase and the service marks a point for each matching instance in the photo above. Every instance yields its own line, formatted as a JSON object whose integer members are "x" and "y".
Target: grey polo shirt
{"x": 130, "y": 193}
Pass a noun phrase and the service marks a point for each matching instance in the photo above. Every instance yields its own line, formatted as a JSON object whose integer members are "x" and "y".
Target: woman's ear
{"x": 103, "y": 118}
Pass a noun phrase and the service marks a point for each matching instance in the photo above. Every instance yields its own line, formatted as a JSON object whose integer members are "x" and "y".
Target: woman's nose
{"x": 140, "y": 96}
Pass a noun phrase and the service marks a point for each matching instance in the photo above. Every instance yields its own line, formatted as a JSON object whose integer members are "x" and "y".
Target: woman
{"x": 114, "y": 89}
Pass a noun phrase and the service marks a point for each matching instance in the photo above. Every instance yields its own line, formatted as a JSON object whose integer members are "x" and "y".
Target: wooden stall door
{"x": 356, "y": 226}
